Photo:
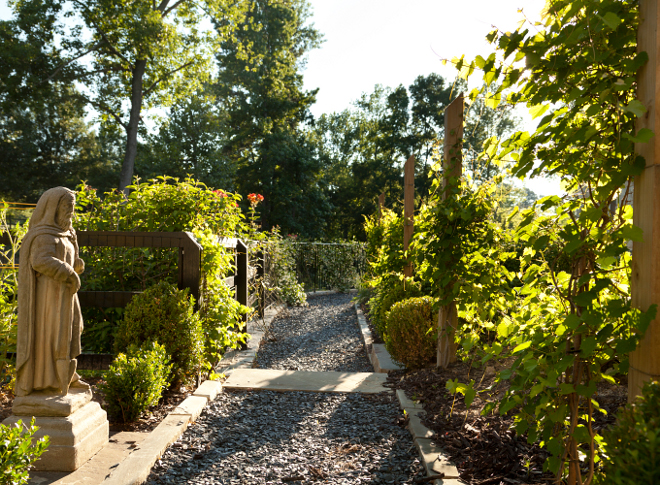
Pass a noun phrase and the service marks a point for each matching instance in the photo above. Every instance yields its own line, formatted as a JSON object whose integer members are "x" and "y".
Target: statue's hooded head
{"x": 54, "y": 210}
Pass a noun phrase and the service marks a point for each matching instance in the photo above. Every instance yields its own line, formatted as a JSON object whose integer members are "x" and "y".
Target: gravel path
{"x": 322, "y": 337}
{"x": 267, "y": 437}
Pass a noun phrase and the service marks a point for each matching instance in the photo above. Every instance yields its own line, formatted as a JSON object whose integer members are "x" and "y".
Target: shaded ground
{"x": 267, "y": 437}
{"x": 484, "y": 448}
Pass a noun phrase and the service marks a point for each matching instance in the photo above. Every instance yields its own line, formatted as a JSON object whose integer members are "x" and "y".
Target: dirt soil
{"x": 149, "y": 420}
{"x": 485, "y": 449}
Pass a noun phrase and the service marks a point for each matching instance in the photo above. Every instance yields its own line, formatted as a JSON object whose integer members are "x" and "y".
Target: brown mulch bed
{"x": 485, "y": 449}
{"x": 169, "y": 401}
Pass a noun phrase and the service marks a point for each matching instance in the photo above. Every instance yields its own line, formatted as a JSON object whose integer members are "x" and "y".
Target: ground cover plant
{"x": 561, "y": 317}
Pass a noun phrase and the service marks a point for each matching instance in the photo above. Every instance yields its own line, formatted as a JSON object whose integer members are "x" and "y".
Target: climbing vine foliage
{"x": 570, "y": 324}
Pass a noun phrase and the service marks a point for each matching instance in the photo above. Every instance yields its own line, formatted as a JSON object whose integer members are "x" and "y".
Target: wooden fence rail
{"x": 189, "y": 269}
{"x": 190, "y": 258}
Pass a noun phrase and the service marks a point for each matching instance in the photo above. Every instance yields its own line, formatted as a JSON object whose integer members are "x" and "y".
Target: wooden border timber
{"x": 645, "y": 284}
{"x": 452, "y": 169}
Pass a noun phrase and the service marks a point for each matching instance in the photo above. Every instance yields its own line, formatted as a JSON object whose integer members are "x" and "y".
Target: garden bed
{"x": 485, "y": 449}
{"x": 146, "y": 423}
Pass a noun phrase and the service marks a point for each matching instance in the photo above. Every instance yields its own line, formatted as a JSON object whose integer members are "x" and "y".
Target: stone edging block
{"x": 209, "y": 390}
{"x": 191, "y": 406}
{"x": 135, "y": 469}
{"x": 377, "y": 353}
{"x": 434, "y": 460}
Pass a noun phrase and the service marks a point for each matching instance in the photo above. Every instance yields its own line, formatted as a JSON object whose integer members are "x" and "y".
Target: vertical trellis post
{"x": 381, "y": 206}
{"x": 408, "y": 208}
{"x": 452, "y": 169}
{"x": 645, "y": 360}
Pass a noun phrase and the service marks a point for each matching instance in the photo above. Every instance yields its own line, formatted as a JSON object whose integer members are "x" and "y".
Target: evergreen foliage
{"x": 18, "y": 453}
{"x": 135, "y": 381}
{"x": 410, "y": 338}
{"x": 165, "y": 315}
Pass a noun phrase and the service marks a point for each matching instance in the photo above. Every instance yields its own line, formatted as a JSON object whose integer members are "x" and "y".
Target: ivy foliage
{"x": 574, "y": 325}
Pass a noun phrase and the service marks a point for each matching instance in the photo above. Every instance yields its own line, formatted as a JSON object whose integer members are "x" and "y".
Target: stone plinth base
{"x": 49, "y": 404}
{"x": 74, "y": 439}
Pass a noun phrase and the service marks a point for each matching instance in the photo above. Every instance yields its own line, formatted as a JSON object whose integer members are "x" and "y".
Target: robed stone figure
{"x": 49, "y": 317}
{"x": 48, "y": 387}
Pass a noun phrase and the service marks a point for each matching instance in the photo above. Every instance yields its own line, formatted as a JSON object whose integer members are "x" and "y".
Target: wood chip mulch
{"x": 485, "y": 449}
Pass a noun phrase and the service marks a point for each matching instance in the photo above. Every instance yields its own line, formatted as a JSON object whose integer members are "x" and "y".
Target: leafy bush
{"x": 633, "y": 445}
{"x": 219, "y": 311}
{"x": 163, "y": 204}
{"x": 135, "y": 381}
{"x": 165, "y": 314}
{"x": 385, "y": 244}
{"x": 393, "y": 289}
{"x": 8, "y": 287}
{"x": 411, "y": 338}
{"x": 294, "y": 295}
{"x": 18, "y": 453}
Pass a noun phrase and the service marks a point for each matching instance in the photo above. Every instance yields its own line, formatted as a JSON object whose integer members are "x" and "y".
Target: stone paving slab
{"x": 99, "y": 467}
{"x": 288, "y": 380}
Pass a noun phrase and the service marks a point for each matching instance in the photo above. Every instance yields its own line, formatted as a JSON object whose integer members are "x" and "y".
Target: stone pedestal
{"x": 74, "y": 438}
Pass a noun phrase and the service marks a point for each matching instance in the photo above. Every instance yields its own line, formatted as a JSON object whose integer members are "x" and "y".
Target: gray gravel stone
{"x": 267, "y": 437}
{"x": 322, "y": 337}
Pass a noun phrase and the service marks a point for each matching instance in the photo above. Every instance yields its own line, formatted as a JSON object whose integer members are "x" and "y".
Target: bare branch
{"x": 62, "y": 66}
{"x": 105, "y": 109}
{"x": 112, "y": 48}
{"x": 173, "y": 7}
{"x": 159, "y": 80}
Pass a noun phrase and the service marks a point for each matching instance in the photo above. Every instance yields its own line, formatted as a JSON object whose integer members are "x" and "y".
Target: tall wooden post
{"x": 408, "y": 208}
{"x": 452, "y": 169}
{"x": 645, "y": 360}
{"x": 381, "y": 205}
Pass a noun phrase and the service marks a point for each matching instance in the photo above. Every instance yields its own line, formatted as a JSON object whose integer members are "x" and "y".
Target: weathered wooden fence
{"x": 189, "y": 271}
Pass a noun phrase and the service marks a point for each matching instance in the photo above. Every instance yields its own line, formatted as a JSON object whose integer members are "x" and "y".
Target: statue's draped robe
{"x": 49, "y": 317}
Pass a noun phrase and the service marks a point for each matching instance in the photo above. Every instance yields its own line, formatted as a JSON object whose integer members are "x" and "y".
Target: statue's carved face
{"x": 65, "y": 212}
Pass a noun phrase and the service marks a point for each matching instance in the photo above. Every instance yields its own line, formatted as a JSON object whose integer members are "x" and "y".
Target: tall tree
{"x": 261, "y": 88}
{"x": 189, "y": 142}
{"x": 364, "y": 148}
{"x": 45, "y": 143}
{"x": 129, "y": 55}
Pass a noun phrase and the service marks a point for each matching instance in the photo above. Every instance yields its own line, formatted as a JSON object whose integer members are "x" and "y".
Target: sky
{"x": 391, "y": 42}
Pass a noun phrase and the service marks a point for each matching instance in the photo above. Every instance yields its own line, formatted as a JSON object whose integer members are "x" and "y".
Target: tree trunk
{"x": 132, "y": 127}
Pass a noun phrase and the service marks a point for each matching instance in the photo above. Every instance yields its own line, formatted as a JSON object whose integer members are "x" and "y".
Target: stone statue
{"x": 49, "y": 318}
{"x": 48, "y": 387}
